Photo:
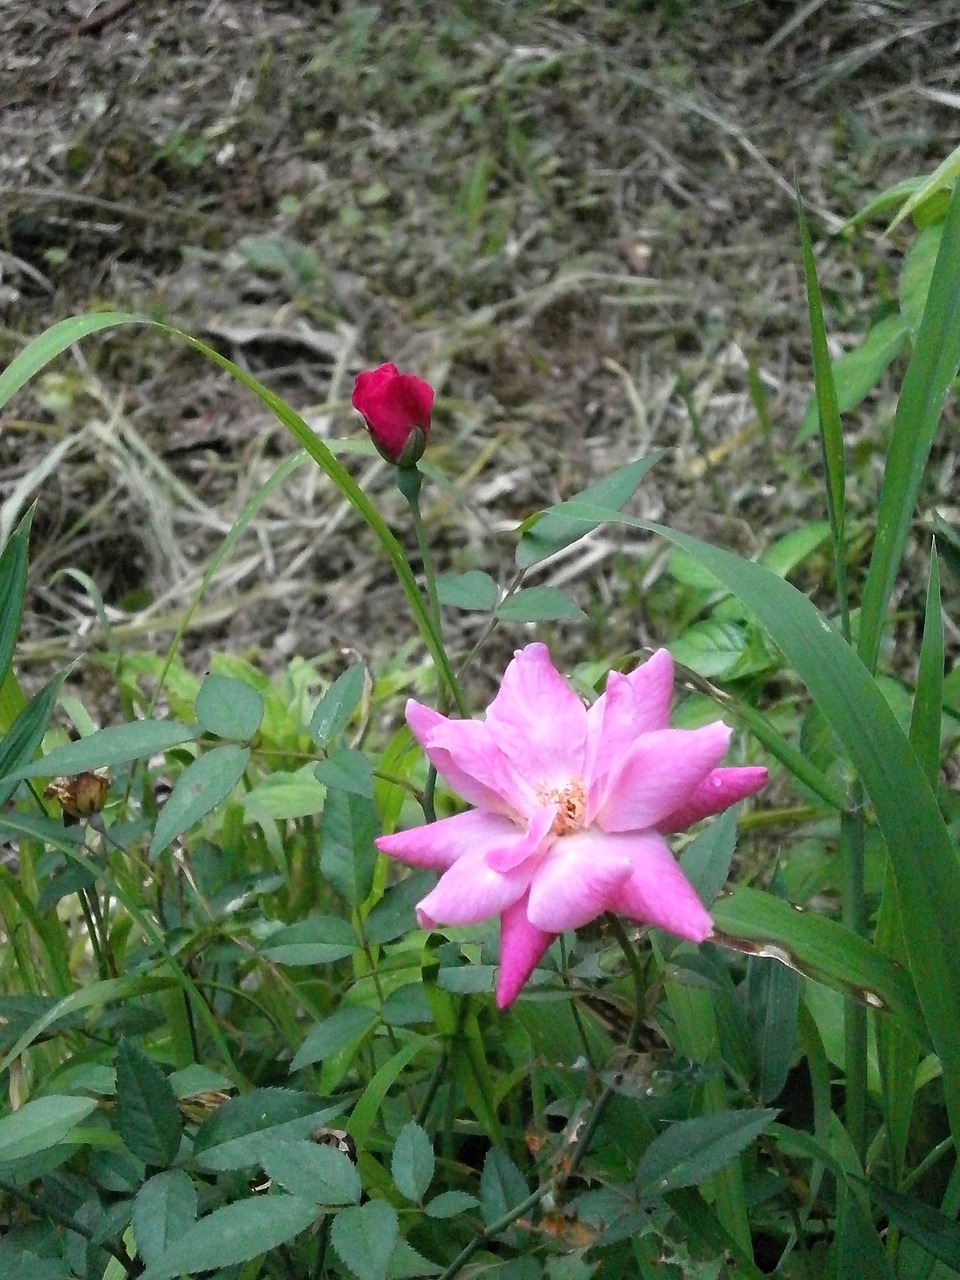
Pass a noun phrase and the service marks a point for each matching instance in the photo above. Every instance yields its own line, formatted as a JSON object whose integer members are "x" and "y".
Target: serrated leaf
{"x": 346, "y": 770}
{"x": 314, "y": 1172}
{"x": 199, "y": 789}
{"x": 165, "y": 1207}
{"x": 22, "y": 1264}
{"x": 364, "y": 1237}
{"x": 115, "y": 745}
{"x": 348, "y": 855}
{"x": 473, "y": 590}
{"x": 563, "y": 524}
{"x": 393, "y": 914}
{"x": 502, "y": 1186}
{"x": 319, "y": 940}
{"x": 229, "y": 708}
{"x": 690, "y": 1151}
{"x": 234, "y": 1234}
{"x": 406, "y": 1263}
{"x": 540, "y": 604}
{"x": 40, "y": 1124}
{"x": 283, "y": 796}
{"x": 337, "y": 705}
{"x": 413, "y": 1162}
{"x": 238, "y": 1133}
{"x": 147, "y": 1115}
{"x": 349, "y": 1023}
{"x": 448, "y": 1204}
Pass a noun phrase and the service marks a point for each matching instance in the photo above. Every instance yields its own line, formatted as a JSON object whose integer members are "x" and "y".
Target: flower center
{"x": 572, "y": 801}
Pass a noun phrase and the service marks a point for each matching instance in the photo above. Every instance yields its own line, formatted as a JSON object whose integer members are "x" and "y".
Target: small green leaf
{"x": 783, "y": 555}
{"x": 229, "y": 708}
{"x": 364, "y": 1236}
{"x": 559, "y": 526}
{"x": 712, "y": 649}
{"x": 448, "y": 1204}
{"x": 348, "y": 855}
{"x": 337, "y": 705}
{"x": 474, "y": 590}
{"x": 282, "y": 796}
{"x": 165, "y": 1207}
{"x": 41, "y": 1124}
{"x": 540, "y": 604}
{"x": 148, "y": 1118}
{"x": 319, "y": 940}
{"x": 502, "y": 1186}
{"x": 413, "y": 1162}
{"x": 346, "y": 770}
{"x": 690, "y": 1151}
{"x": 393, "y": 915}
{"x": 118, "y": 744}
{"x": 349, "y": 1023}
{"x": 237, "y": 1134}
{"x": 233, "y": 1234}
{"x": 198, "y": 790}
{"x": 314, "y": 1172}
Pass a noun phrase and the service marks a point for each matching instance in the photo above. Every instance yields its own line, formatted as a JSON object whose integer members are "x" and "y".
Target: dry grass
{"x": 575, "y": 219}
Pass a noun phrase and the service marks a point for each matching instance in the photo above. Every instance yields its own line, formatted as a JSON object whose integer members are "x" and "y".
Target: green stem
{"x": 855, "y": 1014}
{"x": 409, "y": 480}
{"x": 555, "y": 1184}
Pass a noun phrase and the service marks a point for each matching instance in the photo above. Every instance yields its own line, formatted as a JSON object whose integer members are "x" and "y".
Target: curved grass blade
{"x": 53, "y": 342}
{"x": 831, "y": 434}
{"x": 13, "y": 587}
{"x": 926, "y": 384}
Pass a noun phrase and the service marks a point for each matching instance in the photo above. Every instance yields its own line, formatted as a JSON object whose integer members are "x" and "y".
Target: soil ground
{"x": 576, "y": 219}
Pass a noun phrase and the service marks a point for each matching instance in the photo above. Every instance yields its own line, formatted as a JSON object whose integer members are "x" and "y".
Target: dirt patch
{"x": 575, "y": 219}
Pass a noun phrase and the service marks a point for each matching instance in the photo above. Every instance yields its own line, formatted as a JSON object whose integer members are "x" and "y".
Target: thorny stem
{"x": 555, "y": 1184}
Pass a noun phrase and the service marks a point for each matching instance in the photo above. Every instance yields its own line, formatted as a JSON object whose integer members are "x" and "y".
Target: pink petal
{"x": 719, "y": 789}
{"x": 524, "y": 844}
{"x": 658, "y": 775}
{"x": 465, "y": 756}
{"x": 470, "y": 891}
{"x": 439, "y": 845}
{"x": 522, "y": 945}
{"x": 537, "y": 720}
{"x": 630, "y": 705}
{"x": 578, "y": 879}
{"x": 658, "y": 892}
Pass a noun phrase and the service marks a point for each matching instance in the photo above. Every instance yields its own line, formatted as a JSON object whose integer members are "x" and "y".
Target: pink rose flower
{"x": 396, "y": 408}
{"x": 571, "y": 808}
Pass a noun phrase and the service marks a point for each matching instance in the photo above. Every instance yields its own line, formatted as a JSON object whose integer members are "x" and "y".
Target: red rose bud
{"x": 396, "y": 408}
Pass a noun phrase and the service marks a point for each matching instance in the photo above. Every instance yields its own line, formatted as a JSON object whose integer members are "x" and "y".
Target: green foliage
{"x": 211, "y": 969}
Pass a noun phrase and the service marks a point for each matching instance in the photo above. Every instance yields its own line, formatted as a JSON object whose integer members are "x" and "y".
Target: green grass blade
{"x": 928, "y": 700}
{"x": 53, "y": 342}
{"x": 831, "y": 434}
{"x": 926, "y": 384}
{"x": 13, "y": 587}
